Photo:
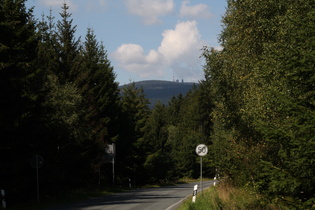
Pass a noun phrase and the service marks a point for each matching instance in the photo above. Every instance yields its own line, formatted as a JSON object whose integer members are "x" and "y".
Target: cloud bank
{"x": 195, "y": 11}
{"x": 58, "y": 3}
{"x": 150, "y": 10}
{"x": 92, "y": 5}
{"x": 179, "y": 51}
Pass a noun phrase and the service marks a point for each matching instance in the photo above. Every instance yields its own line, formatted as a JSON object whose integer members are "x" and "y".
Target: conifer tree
{"x": 97, "y": 83}
{"x": 135, "y": 112}
{"x": 18, "y": 84}
{"x": 57, "y": 55}
{"x": 100, "y": 92}
{"x": 18, "y": 54}
{"x": 158, "y": 151}
{"x": 67, "y": 46}
{"x": 62, "y": 101}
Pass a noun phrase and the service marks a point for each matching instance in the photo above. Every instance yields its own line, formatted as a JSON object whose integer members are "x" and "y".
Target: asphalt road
{"x": 162, "y": 198}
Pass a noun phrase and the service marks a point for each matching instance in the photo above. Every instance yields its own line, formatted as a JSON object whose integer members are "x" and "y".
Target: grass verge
{"x": 225, "y": 196}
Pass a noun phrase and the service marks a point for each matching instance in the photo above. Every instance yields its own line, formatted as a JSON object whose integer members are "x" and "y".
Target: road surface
{"x": 162, "y": 198}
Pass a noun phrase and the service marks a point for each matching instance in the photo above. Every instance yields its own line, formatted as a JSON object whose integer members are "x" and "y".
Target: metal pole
{"x": 99, "y": 175}
{"x": 37, "y": 177}
{"x": 113, "y": 171}
{"x": 113, "y": 161}
{"x": 201, "y": 174}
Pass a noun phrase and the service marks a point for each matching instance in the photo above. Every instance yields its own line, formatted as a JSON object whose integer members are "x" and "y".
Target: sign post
{"x": 201, "y": 150}
{"x": 111, "y": 151}
{"x": 37, "y": 161}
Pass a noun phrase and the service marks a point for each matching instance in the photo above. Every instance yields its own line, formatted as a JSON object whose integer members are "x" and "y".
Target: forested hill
{"x": 161, "y": 90}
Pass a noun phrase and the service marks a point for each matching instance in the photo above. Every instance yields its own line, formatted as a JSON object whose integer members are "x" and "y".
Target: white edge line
{"x": 170, "y": 207}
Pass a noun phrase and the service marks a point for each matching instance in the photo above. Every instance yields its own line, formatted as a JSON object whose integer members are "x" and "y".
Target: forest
{"x": 255, "y": 108}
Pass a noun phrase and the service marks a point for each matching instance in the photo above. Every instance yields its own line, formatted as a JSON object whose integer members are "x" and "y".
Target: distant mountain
{"x": 163, "y": 91}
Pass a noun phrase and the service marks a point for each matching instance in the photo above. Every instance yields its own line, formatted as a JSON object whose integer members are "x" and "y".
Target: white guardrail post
{"x": 194, "y": 193}
{"x": 4, "y": 204}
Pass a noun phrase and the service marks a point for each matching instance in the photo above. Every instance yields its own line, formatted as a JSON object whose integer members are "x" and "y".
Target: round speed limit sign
{"x": 201, "y": 150}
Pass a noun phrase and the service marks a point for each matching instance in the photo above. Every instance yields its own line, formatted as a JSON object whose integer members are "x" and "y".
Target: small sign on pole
{"x": 201, "y": 150}
{"x": 111, "y": 151}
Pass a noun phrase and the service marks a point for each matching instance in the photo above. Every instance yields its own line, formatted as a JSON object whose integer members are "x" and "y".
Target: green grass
{"x": 225, "y": 196}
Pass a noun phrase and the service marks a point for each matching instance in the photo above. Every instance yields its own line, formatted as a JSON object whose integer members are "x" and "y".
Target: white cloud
{"x": 179, "y": 51}
{"x": 91, "y": 5}
{"x": 102, "y": 3}
{"x": 58, "y": 3}
{"x": 132, "y": 58}
{"x": 180, "y": 41}
{"x": 150, "y": 10}
{"x": 96, "y": 5}
{"x": 195, "y": 11}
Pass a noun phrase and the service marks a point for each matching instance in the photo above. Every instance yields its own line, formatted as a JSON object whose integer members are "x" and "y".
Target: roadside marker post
{"x": 4, "y": 204}
{"x": 194, "y": 193}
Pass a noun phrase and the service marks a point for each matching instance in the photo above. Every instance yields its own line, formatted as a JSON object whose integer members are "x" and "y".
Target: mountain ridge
{"x": 162, "y": 90}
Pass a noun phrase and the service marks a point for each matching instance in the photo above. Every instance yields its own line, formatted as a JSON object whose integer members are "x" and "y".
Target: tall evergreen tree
{"x": 18, "y": 53}
{"x": 97, "y": 83}
{"x": 67, "y": 46}
{"x": 57, "y": 56}
{"x": 129, "y": 146}
{"x": 62, "y": 105}
{"x": 101, "y": 95}
{"x": 192, "y": 128}
{"x": 157, "y": 150}
{"x": 18, "y": 75}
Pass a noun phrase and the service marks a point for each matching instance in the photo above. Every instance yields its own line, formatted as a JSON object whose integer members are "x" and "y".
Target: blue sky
{"x": 147, "y": 39}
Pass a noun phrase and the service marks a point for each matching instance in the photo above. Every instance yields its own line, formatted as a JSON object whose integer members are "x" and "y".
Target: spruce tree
{"x": 130, "y": 144}
{"x": 18, "y": 85}
{"x": 100, "y": 93}
{"x": 62, "y": 102}
{"x": 158, "y": 161}
{"x": 67, "y": 46}
{"x": 98, "y": 87}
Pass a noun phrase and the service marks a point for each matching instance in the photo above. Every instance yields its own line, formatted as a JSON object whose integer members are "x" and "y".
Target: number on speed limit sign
{"x": 201, "y": 150}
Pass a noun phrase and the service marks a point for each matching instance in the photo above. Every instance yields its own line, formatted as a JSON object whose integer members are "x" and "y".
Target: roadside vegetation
{"x": 226, "y": 196}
